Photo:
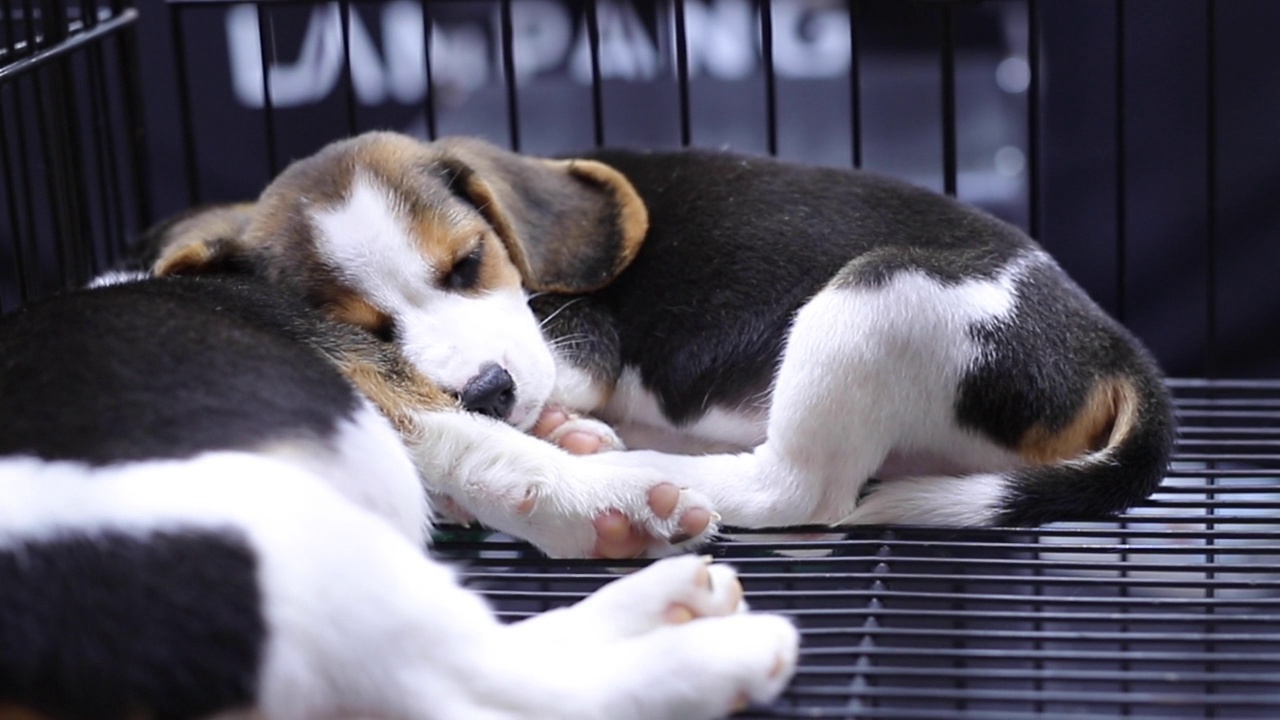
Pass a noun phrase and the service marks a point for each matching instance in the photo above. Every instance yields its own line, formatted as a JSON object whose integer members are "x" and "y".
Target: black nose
{"x": 492, "y": 393}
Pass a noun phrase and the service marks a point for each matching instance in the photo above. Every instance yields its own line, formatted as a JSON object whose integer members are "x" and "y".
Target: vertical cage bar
{"x": 47, "y": 119}
{"x": 88, "y": 17}
{"x": 855, "y": 82}
{"x": 11, "y": 199}
{"x": 509, "y": 72}
{"x": 429, "y": 97}
{"x": 268, "y": 103}
{"x": 64, "y": 161}
{"x": 1211, "y": 189}
{"x": 349, "y": 85}
{"x": 74, "y": 170}
{"x": 597, "y": 84}
{"x": 770, "y": 77}
{"x": 682, "y": 72}
{"x": 1211, "y": 290}
{"x": 1120, "y": 161}
{"x": 45, "y": 95}
{"x": 1033, "y": 117}
{"x": 186, "y": 120}
{"x": 29, "y": 22}
{"x": 949, "y": 169}
{"x": 135, "y": 127}
{"x": 32, "y": 254}
{"x": 108, "y": 192}
{"x": 1125, "y": 627}
{"x": 10, "y": 19}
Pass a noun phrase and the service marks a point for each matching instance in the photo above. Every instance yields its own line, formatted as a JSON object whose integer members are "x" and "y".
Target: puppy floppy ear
{"x": 570, "y": 226}
{"x": 203, "y": 240}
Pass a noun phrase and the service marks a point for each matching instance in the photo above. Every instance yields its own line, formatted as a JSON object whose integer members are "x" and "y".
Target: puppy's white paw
{"x": 602, "y": 510}
{"x": 670, "y": 641}
{"x": 669, "y": 592}
{"x": 575, "y": 432}
{"x": 567, "y": 505}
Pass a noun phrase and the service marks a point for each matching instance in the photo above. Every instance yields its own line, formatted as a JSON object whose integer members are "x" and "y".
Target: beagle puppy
{"x": 431, "y": 251}
{"x": 789, "y": 345}
{"x": 203, "y": 515}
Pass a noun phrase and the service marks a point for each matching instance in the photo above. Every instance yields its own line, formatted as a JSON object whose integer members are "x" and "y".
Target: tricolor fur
{"x": 778, "y": 335}
{"x": 203, "y": 516}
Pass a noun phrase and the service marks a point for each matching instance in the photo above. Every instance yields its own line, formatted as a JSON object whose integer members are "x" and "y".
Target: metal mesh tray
{"x": 1171, "y": 611}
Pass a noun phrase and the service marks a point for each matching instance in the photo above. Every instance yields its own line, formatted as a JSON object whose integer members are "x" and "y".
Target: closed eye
{"x": 385, "y": 329}
{"x": 465, "y": 273}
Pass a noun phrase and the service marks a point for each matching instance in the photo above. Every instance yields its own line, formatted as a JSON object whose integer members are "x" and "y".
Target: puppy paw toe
{"x": 618, "y": 537}
{"x": 682, "y": 519}
{"x": 575, "y": 433}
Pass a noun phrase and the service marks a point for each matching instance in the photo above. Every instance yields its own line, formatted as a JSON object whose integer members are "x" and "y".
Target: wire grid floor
{"x": 1171, "y": 611}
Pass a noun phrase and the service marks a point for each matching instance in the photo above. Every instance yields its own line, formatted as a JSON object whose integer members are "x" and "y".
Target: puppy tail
{"x": 1124, "y": 471}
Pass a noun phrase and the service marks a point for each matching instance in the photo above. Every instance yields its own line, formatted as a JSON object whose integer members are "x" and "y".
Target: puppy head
{"x": 432, "y": 246}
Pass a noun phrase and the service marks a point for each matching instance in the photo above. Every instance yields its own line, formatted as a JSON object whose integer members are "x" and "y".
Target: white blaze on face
{"x": 448, "y": 335}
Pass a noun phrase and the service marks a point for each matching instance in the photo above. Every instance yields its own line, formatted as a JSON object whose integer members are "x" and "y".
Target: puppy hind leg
{"x": 873, "y": 369}
{"x": 836, "y": 404}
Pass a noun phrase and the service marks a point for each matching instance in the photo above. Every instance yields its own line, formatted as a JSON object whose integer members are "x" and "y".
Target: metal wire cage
{"x": 72, "y": 179}
{"x": 1055, "y": 115}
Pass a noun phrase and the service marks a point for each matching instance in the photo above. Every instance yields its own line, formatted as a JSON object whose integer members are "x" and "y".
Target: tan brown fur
{"x": 383, "y": 375}
{"x": 187, "y": 259}
{"x": 1105, "y": 418}
{"x": 562, "y": 225}
{"x": 565, "y": 225}
{"x": 399, "y": 392}
{"x": 348, "y": 307}
{"x": 570, "y": 225}
{"x": 445, "y": 243}
{"x": 175, "y": 243}
{"x": 633, "y": 216}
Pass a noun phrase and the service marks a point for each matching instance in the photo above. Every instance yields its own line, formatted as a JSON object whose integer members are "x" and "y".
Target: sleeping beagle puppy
{"x": 789, "y": 345}
{"x": 202, "y": 515}
{"x": 409, "y": 244}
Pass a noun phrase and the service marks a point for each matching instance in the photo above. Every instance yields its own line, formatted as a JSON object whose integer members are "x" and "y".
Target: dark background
{"x": 1161, "y": 203}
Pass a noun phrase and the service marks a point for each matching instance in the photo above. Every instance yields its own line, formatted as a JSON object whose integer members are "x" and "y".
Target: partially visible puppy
{"x": 794, "y": 332}
{"x": 202, "y": 516}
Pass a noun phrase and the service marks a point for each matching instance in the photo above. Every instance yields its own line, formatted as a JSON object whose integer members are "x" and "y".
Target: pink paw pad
{"x": 618, "y": 538}
{"x": 575, "y": 433}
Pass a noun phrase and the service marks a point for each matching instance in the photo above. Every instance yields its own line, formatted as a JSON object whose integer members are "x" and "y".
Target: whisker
{"x": 569, "y": 341}
{"x": 559, "y": 310}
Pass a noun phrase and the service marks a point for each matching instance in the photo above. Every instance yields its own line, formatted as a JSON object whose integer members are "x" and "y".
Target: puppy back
{"x": 163, "y": 369}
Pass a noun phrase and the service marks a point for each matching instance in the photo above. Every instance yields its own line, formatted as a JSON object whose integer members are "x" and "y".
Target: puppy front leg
{"x": 673, "y": 640}
{"x": 566, "y": 505}
{"x": 670, "y": 642}
{"x": 578, "y": 433}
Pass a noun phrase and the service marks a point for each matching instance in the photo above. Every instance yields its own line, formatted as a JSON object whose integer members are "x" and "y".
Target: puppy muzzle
{"x": 492, "y": 392}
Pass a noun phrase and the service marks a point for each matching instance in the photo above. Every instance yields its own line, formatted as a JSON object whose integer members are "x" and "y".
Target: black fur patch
{"x": 1039, "y": 365}
{"x": 738, "y": 244}
{"x": 584, "y": 333}
{"x": 164, "y": 368}
{"x": 114, "y": 626}
{"x": 1055, "y": 493}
